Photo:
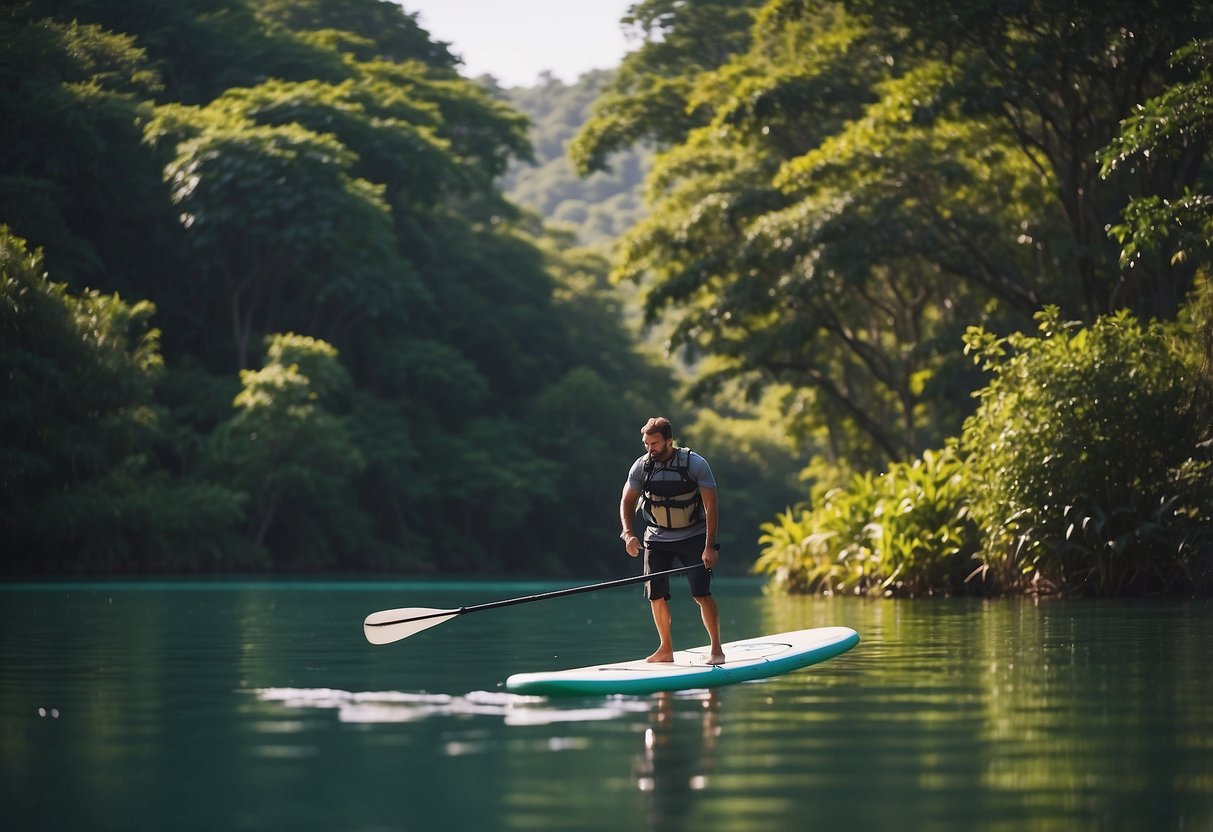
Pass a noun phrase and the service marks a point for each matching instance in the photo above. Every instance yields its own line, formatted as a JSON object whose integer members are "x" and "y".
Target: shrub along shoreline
{"x": 1087, "y": 469}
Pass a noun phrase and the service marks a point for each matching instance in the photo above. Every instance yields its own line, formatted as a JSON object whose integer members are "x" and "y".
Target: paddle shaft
{"x": 543, "y": 596}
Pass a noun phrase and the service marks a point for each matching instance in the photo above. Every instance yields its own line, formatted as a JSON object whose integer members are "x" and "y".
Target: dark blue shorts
{"x": 659, "y": 557}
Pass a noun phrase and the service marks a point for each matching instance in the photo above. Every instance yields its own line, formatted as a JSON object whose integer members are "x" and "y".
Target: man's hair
{"x": 658, "y": 424}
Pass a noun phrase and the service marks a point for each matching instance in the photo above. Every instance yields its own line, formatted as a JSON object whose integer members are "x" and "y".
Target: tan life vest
{"x": 671, "y": 503}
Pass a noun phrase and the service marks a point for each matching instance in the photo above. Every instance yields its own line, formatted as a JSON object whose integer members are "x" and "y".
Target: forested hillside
{"x": 290, "y": 322}
{"x": 598, "y": 207}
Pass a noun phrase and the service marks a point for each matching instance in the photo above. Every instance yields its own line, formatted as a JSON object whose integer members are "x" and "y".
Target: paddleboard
{"x": 754, "y": 658}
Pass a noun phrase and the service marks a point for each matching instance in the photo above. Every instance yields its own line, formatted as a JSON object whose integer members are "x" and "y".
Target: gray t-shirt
{"x": 700, "y": 473}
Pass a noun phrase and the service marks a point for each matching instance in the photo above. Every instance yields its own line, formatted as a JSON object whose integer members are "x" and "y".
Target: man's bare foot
{"x": 661, "y": 656}
{"x": 716, "y": 658}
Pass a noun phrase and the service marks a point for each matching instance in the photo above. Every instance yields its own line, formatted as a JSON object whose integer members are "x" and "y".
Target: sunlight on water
{"x": 397, "y": 706}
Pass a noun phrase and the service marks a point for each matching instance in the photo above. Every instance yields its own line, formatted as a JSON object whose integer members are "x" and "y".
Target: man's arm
{"x": 710, "y": 552}
{"x": 627, "y": 511}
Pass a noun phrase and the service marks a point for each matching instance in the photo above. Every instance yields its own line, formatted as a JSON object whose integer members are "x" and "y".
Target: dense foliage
{"x": 906, "y": 531}
{"x": 81, "y": 483}
{"x": 844, "y": 190}
{"x": 1085, "y": 469}
{"x": 290, "y": 320}
{"x": 847, "y": 188}
{"x": 1086, "y": 458}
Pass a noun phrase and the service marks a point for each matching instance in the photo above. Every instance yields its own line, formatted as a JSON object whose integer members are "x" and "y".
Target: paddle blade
{"x": 386, "y": 626}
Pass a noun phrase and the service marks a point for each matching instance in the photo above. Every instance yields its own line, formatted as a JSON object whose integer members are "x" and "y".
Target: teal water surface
{"x": 163, "y": 706}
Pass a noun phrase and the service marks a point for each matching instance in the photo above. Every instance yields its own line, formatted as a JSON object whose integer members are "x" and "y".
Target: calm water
{"x": 260, "y": 706}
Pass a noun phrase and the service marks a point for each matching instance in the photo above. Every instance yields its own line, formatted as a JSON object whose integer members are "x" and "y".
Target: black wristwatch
{"x": 716, "y": 545}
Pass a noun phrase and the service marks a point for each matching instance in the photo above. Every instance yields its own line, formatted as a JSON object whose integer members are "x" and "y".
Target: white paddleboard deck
{"x": 754, "y": 658}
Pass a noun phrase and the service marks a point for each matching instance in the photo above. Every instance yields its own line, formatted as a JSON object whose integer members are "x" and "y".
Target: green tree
{"x": 270, "y": 256}
{"x": 790, "y": 238}
{"x": 200, "y": 48}
{"x": 859, "y": 183}
{"x": 377, "y": 27}
{"x": 651, "y": 96}
{"x": 319, "y": 168}
{"x": 393, "y": 136}
{"x": 290, "y": 447}
{"x": 1172, "y": 129}
{"x": 82, "y": 487}
{"x": 74, "y": 179}
{"x": 1060, "y": 77}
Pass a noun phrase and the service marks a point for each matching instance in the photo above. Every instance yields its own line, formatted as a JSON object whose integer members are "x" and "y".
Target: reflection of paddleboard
{"x": 754, "y": 658}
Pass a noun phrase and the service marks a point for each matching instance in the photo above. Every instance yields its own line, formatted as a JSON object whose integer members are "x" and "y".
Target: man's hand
{"x": 710, "y": 557}
{"x": 632, "y": 543}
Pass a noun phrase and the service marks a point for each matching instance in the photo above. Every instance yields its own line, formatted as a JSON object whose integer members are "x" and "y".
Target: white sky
{"x": 516, "y": 40}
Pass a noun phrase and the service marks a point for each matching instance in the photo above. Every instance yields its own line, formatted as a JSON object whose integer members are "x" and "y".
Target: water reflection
{"x": 679, "y": 755}
{"x": 382, "y": 707}
{"x": 672, "y": 768}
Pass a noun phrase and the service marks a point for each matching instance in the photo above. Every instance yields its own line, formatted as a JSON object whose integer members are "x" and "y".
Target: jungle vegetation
{"x": 267, "y": 305}
{"x": 266, "y": 308}
{"x": 967, "y": 240}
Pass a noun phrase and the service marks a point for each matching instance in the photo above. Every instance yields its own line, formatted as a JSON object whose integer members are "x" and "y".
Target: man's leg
{"x": 661, "y": 617}
{"x": 658, "y": 592}
{"x": 711, "y": 623}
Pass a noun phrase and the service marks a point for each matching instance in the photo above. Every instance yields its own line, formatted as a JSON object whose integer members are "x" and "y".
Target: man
{"x": 676, "y": 493}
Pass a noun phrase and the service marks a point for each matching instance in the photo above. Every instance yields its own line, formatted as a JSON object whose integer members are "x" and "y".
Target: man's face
{"x": 658, "y": 446}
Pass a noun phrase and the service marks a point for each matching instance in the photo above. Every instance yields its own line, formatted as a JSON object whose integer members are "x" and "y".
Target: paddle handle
{"x": 559, "y": 593}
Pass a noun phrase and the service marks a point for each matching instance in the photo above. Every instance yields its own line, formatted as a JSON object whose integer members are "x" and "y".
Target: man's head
{"x": 658, "y": 424}
{"x": 658, "y": 436}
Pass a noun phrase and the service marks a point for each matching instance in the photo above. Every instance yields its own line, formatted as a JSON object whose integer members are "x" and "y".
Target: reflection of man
{"x": 675, "y": 764}
{"x": 677, "y": 496}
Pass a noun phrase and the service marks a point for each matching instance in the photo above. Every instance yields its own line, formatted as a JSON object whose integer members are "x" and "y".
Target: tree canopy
{"x": 356, "y": 353}
{"x": 846, "y": 186}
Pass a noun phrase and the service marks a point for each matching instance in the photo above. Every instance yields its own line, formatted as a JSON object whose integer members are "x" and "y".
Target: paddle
{"x": 386, "y": 626}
